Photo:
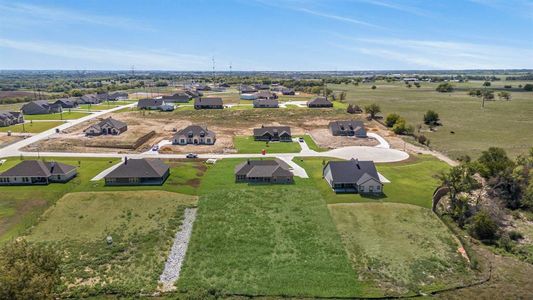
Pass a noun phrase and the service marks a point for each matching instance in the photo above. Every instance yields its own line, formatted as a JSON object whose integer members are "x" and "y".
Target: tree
{"x": 444, "y": 87}
{"x": 400, "y": 126}
{"x": 431, "y": 118}
{"x": 391, "y": 119}
{"x": 486, "y": 83}
{"x": 493, "y": 161}
{"x": 342, "y": 96}
{"x": 528, "y": 87}
{"x": 76, "y": 93}
{"x": 486, "y": 96}
{"x": 28, "y": 271}
{"x": 458, "y": 179}
{"x": 504, "y": 95}
{"x": 483, "y": 226}
{"x": 372, "y": 109}
{"x": 374, "y": 87}
{"x": 421, "y": 139}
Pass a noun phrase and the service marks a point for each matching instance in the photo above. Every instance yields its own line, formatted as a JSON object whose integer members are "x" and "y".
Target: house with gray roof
{"x": 353, "y": 176}
{"x": 348, "y": 128}
{"x": 208, "y": 103}
{"x": 89, "y": 99}
{"x": 107, "y": 126}
{"x": 263, "y": 171}
{"x": 193, "y": 94}
{"x": 265, "y": 95}
{"x": 67, "y": 102}
{"x": 273, "y": 134}
{"x": 142, "y": 171}
{"x": 8, "y": 118}
{"x": 177, "y": 98}
{"x": 266, "y": 103}
{"x": 154, "y": 104}
{"x": 319, "y": 102}
{"x": 287, "y": 91}
{"x": 118, "y": 96}
{"x": 246, "y": 89}
{"x": 40, "y": 107}
{"x": 194, "y": 135}
{"x": 261, "y": 86}
{"x": 30, "y": 172}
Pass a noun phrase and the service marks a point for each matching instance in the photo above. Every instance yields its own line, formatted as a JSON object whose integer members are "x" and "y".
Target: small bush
{"x": 483, "y": 227}
{"x": 515, "y": 235}
{"x": 421, "y": 139}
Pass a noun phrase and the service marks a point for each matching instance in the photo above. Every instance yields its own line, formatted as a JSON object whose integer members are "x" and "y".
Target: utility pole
{"x": 213, "y": 60}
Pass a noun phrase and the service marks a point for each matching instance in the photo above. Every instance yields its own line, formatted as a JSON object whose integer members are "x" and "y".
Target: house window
{"x": 209, "y": 141}
{"x": 378, "y": 187}
{"x": 182, "y": 141}
{"x": 371, "y": 188}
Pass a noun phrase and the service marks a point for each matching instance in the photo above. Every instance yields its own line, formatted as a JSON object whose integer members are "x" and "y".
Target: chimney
{"x": 125, "y": 160}
{"x": 357, "y": 163}
{"x": 52, "y": 166}
{"x": 248, "y": 161}
{"x": 262, "y": 126}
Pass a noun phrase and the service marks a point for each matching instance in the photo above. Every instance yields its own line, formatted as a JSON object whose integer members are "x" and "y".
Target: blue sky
{"x": 266, "y": 35}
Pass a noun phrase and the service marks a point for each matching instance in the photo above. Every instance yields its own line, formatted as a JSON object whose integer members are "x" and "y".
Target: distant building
{"x": 208, "y": 103}
{"x": 107, "y": 126}
{"x": 40, "y": 107}
{"x": 273, "y": 134}
{"x": 270, "y": 103}
{"x": 67, "y": 102}
{"x": 353, "y": 176}
{"x": 195, "y": 135}
{"x": 263, "y": 171}
{"x": 266, "y": 95}
{"x": 116, "y": 96}
{"x": 8, "y": 118}
{"x": 177, "y": 98}
{"x": 348, "y": 128}
{"x": 287, "y": 91}
{"x": 319, "y": 102}
{"x": 89, "y": 99}
{"x": 30, "y": 172}
{"x": 261, "y": 86}
{"x": 154, "y": 104}
{"x": 246, "y": 89}
{"x": 139, "y": 172}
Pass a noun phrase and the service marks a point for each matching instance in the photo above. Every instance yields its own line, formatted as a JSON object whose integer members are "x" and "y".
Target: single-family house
{"x": 251, "y": 96}
{"x": 154, "y": 104}
{"x": 40, "y": 107}
{"x": 8, "y": 118}
{"x": 266, "y": 95}
{"x": 263, "y": 171}
{"x": 67, "y": 102}
{"x": 202, "y": 87}
{"x": 266, "y": 103}
{"x": 193, "y": 93}
{"x": 353, "y": 176}
{"x": 195, "y": 135}
{"x": 89, "y": 99}
{"x": 102, "y": 97}
{"x": 30, "y": 172}
{"x": 273, "y": 134}
{"x": 319, "y": 102}
{"x": 287, "y": 91}
{"x": 177, "y": 98}
{"x": 261, "y": 86}
{"x": 107, "y": 126}
{"x": 116, "y": 96}
{"x": 142, "y": 171}
{"x": 246, "y": 89}
{"x": 348, "y": 128}
{"x": 208, "y": 103}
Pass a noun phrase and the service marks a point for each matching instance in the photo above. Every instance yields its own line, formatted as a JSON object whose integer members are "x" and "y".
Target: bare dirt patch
{"x": 6, "y": 140}
{"x": 324, "y": 139}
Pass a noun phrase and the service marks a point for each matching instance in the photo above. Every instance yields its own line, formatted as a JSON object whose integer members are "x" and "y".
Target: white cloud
{"x": 434, "y": 54}
{"x": 397, "y": 6}
{"x": 32, "y": 13}
{"x": 337, "y": 17}
{"x": 114, "y": 58}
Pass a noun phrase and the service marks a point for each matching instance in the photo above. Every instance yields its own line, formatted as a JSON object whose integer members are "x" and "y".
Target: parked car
{"x": 155, "y": 148}
{"x": 301, "y": 140}
{"x": 192, "y": 155}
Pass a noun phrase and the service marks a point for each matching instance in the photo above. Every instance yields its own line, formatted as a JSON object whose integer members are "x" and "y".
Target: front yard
{"x": 35, "y": 127}
{"x": 66, "y": 115}
{"x": 246, "y": 144}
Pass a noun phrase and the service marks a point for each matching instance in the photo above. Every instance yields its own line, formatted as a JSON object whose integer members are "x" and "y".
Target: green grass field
{"x": 246, "y": 144}
{"x": 104, "y": 105}
{"x": 67, "y": 115}
{"x": 505, "y": 124}
{"x": 312, "y": 145}
{"x": 35, "y": 127}
{"x": 412, "y": 182}
{"x": 401, "y": 248}
{"x": 142, "y": 226}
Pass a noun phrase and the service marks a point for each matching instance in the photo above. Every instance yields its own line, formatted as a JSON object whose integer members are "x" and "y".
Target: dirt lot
{"x": 324, "y": 139}
{"x": 225, "y": 123}
{"x": 6, "y": 140}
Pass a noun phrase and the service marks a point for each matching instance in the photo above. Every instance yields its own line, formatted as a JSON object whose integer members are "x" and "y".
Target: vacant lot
{"x": 273, "y": 240}
{"x": 142, "y": 226}
{"x": 247, "y": 144}
{"x": 412, "y": 181}
{"x": 505, "y": 124}
{"x": 325, "y": 139}
{"x": 400, "y": 248}
{"x": 34, "y": 127}
{"x": 67, "y": 115}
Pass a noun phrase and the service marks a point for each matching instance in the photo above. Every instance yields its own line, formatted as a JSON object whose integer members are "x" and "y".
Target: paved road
{"x": 13, "y": 149}
{"x": 377, "y": 154}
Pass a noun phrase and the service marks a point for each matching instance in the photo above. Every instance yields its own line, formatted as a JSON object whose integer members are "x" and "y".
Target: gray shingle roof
{"x": 352, "y": 171}
{"x": 266, "y": 102}
{"x": 139, "y": 168}
{"x": 350, "y": 125}
{"x": 272, "y": 130}
{"x": 319, "y": 101}
{"x": 149, "y": 102}
{"x": 194, "y": 130}
{"x": 210, "y": 101}
{"x": 263, "y": 168}
{"x": 38, "y": 168}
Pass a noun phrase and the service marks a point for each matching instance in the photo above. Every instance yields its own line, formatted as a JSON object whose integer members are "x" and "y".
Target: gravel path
{"x": 176, "y": 256}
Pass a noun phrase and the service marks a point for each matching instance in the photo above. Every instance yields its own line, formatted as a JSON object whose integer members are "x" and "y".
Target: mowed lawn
{"x": 265, "y": 240}
{"x": 412, "y": 182}
{"x": 246, "y": 144}
{"x": 67, "y": 115}
{"x": 505, "y": 124}
{"x": 401, "y": 248}
{"x": 142, "y": 226}
{"x": 35, "y": 127}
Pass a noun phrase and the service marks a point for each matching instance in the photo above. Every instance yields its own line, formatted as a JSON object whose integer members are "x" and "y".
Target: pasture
{"x": 466, "y": 127}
